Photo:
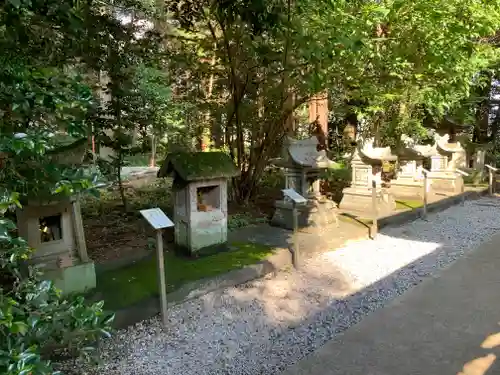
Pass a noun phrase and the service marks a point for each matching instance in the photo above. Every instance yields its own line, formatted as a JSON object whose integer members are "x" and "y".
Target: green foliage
{"x": 242, "y": 220}
{"x": 44, "y": 91}
{"x": 334, "y": 180}
{"x": 34, "y": 320}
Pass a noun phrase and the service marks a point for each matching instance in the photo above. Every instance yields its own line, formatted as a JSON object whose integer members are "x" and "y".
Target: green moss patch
{"x": 408, "y": 204}
{"x": 194, "y": 166}
{"x": 361, "y": 221}
{"x": 126, "y": 286}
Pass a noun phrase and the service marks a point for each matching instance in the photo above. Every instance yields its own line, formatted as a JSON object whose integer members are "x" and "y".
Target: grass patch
{"x": 365, "y": 222}
{"x": 471, "y": 184}
{"x": 126, "y": 286}
{"x": 408, "y": 204}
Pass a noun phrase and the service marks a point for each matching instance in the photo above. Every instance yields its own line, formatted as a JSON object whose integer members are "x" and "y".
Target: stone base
{"x": 446, "y": 183}
{"x": 407, "y": 189}
{"x": 316, "y": 213}
{"x": 205, "y": 230}
{"x": 360, "y": 200}
{"x": 79, "y": 278}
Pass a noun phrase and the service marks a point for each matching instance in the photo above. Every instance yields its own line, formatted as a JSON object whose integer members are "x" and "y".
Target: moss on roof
{"x": 195, "y": 166}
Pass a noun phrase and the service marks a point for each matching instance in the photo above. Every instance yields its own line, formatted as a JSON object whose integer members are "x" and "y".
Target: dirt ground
{"x": 112, "y": 233}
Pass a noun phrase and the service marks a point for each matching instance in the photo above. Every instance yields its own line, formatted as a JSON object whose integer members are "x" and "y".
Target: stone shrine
{"x": 409, "y": 180}
{"x": 448, "y": 157}
{"x": 366, "y": 167}
{"x": 200, "y": 198}
{"x": 54, "y": 228}
{"x": 303, "y": 163}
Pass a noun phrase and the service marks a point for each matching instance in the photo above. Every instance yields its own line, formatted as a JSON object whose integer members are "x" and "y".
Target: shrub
{"x": 334, "y": 180}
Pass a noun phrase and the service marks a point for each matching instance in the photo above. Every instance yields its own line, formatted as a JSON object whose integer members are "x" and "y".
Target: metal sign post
{"x": 296, "y": 199}
{"x": 491, "y": 182}
{"x": 158, "y": 220}
{"x": 426, "y": 191}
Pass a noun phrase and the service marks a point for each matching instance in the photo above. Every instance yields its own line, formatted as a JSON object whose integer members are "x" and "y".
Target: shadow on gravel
{"x": 343, "y": 295}
{"x": 434, "y": 250}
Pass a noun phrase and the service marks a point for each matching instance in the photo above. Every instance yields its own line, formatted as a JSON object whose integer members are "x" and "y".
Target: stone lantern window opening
{"x": 208, "y": 198}
{"x": 51, "y": 228}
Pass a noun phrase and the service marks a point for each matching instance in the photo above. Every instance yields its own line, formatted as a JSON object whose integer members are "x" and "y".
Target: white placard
{"x": 157, "y": 218}
{"x": 294, "y": 196}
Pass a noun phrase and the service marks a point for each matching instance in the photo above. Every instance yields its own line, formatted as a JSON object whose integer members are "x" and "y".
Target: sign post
{"x": 426, "y": 191}
{"x": 462, "y": 190}
{"x": 159, "y": 221}
{"x": 296, "y": 199}
{"x": 374, "y": 229}
{"x": 491, "y": 182}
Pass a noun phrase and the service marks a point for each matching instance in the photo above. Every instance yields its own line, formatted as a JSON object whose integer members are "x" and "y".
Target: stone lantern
{"x": 200, "y": 198}
{"x": 53, "y": 227}
{"x": 303, "y": 163}
{"x": 366, "y": 165}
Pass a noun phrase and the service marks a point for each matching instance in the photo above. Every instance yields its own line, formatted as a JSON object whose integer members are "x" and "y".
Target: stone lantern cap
{"x": 197, "y": 166}
{"x": 444, "y": 144}
{"x": 304, "y": 153}
{"x": 376, "y": 153}
{"x": 412, "y": 150}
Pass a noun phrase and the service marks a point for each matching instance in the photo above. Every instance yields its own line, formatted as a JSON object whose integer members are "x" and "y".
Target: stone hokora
{"x": 200, "y": 198}
{"x": 303, "y": 163}
{"x": 53, "y": 227}
{"x": 366, "y": 167}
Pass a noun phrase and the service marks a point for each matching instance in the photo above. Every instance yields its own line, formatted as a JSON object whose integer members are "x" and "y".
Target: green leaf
{"x": 19, "y": 327}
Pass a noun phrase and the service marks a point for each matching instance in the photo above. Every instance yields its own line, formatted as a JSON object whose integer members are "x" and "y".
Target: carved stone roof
{"x": 304, "y": 153}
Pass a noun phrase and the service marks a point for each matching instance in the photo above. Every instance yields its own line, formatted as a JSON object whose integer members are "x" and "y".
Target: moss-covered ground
{"x": 408, "y": 204}
{"x": 131, "y": 284}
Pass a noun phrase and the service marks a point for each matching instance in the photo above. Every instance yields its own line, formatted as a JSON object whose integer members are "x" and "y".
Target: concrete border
{"x": 405, "y": 217}
{"x": 280, "y": 259}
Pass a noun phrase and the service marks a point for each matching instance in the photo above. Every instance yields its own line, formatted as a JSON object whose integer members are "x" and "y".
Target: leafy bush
{"x": 334, "y": 180}
{"x": 35, "y": 321}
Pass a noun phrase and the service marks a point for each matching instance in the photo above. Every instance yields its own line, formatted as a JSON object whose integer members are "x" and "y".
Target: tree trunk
{"x": 318, "y": 117}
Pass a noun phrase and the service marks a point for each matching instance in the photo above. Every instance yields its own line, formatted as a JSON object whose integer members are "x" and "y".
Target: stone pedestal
{"x": 359, "y": 199}
{"x": 446, "y": 183}
{"x": 409, "y": 182}
{"x": 78, "y": 278}
{"x": 407, "y": 189}
{"x": 316, "y": 213}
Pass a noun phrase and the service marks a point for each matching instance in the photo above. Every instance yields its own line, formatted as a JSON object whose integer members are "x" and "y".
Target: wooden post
{"x": 463, "y": 193}
{"x": 492, "y": 180}
{"x": 79, "y": 231}
{"x": 426, "y": 187}
{"x": 162, "y": 276}
{"x": 374, "y": 229}
{"x": 462, "y": 188}
{"x": 295, "y": 252}
{"x": 158, "y": 220}
{"x": 490, "y": 183}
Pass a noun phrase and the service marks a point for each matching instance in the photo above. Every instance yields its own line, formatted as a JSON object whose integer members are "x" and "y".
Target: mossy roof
{"x": 196, "y": 166}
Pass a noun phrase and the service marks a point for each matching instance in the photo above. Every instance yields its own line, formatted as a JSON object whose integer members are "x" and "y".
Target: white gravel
{"x": 266, "y": 325}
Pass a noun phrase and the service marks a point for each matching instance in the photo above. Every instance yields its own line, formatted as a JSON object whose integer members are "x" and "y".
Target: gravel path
{"x": 263, "y": 326}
